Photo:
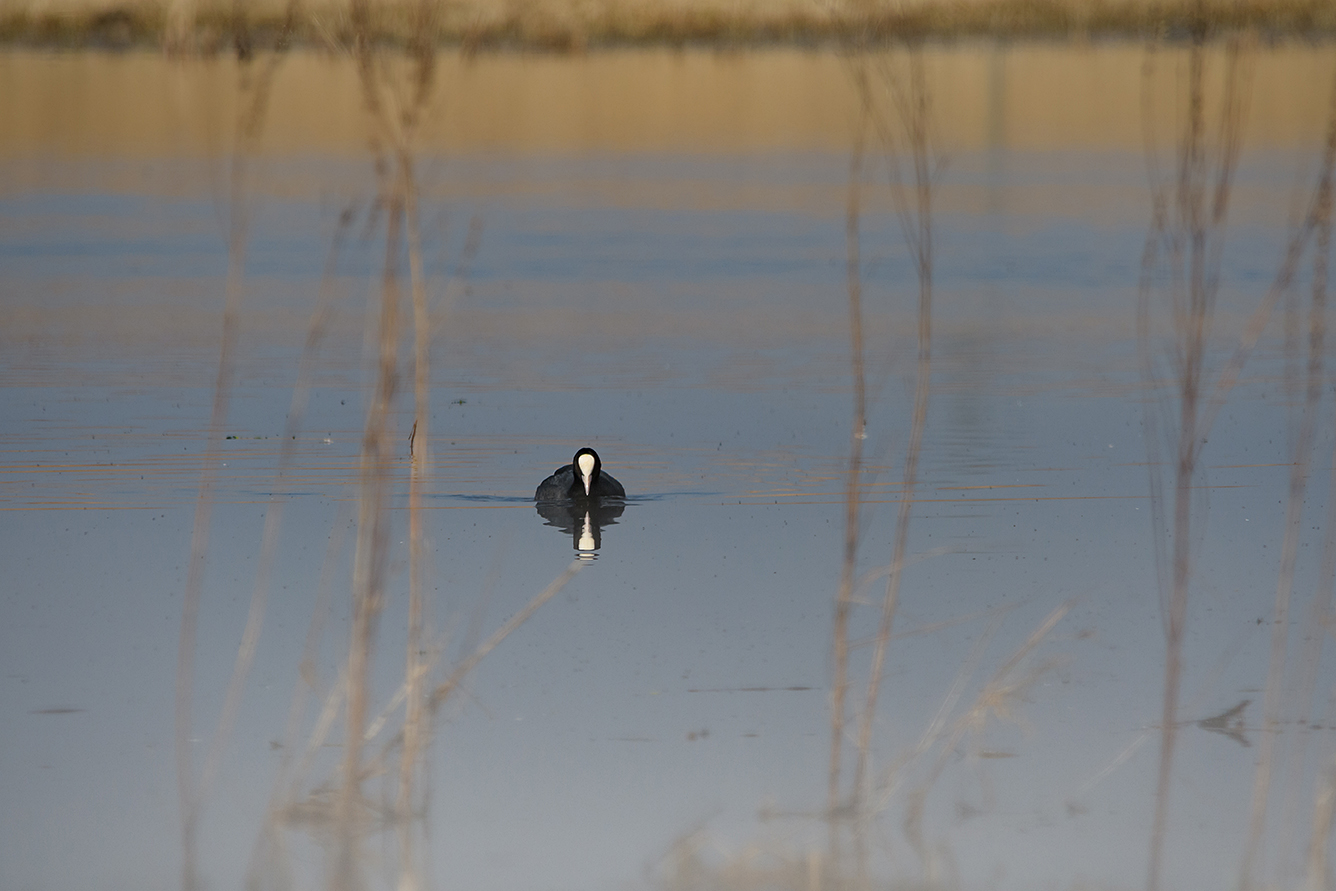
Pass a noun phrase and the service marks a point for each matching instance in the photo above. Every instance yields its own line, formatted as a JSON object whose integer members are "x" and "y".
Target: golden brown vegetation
{"x": 567, "y": 25}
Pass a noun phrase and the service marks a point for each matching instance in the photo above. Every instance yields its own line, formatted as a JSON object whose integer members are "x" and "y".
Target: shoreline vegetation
{"x": 213, "y": 26}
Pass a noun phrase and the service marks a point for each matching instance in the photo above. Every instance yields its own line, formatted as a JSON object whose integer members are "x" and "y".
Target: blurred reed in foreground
{"x": 387, "y": 735}
{"x": 1187, "y": 385}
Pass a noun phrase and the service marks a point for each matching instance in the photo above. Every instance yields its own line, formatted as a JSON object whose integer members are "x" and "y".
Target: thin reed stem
{"x": 915, "y": 113}
{"x": 1298, "y": 484}
{"x": 416, "y": 726}
{"x": 994, "y": 700}
{"x": 394, "y": 125}
{"x": 444, "y": 690}
{"x": 1192, "y": 235}
{"x": 854, "y": 476}
{"x": 370, "y": 564}
{"x": 1324, "y": 809}
{"x": 1186, "y": 233}
{"x": 1321, "y": 610}
{"x": 193, "y": 792}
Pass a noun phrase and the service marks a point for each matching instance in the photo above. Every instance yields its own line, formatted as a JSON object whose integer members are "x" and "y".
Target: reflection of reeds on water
{"x": 1176, "y": 306}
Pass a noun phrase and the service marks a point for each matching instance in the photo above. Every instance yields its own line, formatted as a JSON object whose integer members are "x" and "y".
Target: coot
{"x": 582, "y": 478}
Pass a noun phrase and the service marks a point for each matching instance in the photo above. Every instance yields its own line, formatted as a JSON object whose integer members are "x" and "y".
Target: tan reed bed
{"x": 570, "y": 25}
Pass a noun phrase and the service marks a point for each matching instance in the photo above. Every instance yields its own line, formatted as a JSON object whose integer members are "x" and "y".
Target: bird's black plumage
{"x": 570, "y": 481}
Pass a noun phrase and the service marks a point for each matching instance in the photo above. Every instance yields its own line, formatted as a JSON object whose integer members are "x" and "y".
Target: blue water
{"x": 680, "y": 682}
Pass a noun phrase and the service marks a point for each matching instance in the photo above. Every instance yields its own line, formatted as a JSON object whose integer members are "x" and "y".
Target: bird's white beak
{"x": 587, "y": 472}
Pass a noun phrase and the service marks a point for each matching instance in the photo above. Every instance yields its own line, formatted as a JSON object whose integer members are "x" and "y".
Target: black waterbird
{"x": 583, "y": 478}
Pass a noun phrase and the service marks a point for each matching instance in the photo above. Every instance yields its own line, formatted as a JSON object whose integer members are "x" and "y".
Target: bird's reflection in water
{"x": 583, "y": 519}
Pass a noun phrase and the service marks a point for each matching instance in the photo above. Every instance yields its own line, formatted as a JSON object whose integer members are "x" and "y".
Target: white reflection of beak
{"x": 587, "y": 535}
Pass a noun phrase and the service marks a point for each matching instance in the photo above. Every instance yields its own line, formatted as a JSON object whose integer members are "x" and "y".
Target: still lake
{"x": 660, "y": 273}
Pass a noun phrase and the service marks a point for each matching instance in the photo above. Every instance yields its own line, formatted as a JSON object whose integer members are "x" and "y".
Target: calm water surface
{"x": 683, "y": 310}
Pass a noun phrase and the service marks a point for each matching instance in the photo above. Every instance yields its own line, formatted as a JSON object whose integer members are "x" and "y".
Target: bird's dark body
{"x": 567, "y": 482}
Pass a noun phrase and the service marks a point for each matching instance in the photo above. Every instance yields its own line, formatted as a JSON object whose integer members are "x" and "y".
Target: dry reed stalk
{"x": 1189, "y": 230}
{"x": 1321, "y": 611}
{"x": 445, "y": 689}
{"x": 370, "y": 568}
{"x": 933, "y": 734}
{"x": 394, "y": 133}
{"x": 338, "y": 810}
{"x": 417, "y": 728}
{"x": 915, "y": 116}
{"x": 269, "y": 866}
{"x": 1298, "y": 484}
{"x": 1189, "y": 226}
{"x": 193, "y": 791}
{"x": 996, "y": 699}
{"x": 441, "y": 692}
{"x": 318, "y": 326}
{"x": 854, "y": 478}
{"x": 1324, "y": 809}
{"x": 396, "y": 107}
{"x": 269, "y": 854}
